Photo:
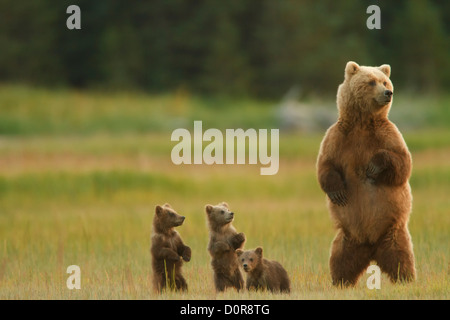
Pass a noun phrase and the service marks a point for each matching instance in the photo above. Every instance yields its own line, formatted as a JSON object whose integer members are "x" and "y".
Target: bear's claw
{"x": 187, "y": 254}
{"x": 338, "y": 197}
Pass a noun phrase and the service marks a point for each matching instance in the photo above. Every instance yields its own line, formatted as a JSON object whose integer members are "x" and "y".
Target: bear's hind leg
{"x": 181, "y": 283}
{"x": 238, "y": 280}
{"x": 158, "y": 283}
{"x": 394, "y": 255}
{"x": 348, "y": 260}
{"x": 219, "y": 282}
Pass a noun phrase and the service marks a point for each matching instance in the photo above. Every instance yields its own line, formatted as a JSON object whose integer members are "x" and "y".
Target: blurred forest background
{"x": 255, "y": 48}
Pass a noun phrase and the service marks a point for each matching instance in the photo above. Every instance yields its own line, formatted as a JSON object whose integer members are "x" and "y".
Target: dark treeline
{"x": 253, "y": 47}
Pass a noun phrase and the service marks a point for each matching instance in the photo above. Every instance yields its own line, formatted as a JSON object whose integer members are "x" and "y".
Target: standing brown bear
{"x": 262, "y": 273}
{"x": 168, "y": 250}
{"x": 364, "y": 166}
{"x": 224, "y": 240}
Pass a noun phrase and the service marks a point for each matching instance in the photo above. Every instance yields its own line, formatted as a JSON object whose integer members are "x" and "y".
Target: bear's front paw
{"x": 372, "y": 172}
{"x": 238, "y": 240}
{"x": 338, "y": 197}
{"x": 174, "y": 258}
{"x": 170, "y": 255}
{"x": 376, "y": 165}
{"x": 186, "y": 254}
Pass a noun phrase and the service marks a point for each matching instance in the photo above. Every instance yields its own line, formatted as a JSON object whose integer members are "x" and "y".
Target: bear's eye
{"x": 222, "y": 212}
{"x": 384, "y": 83}
{"x": 372, "y": 83}
{"x": 251, "y": 259}
{"x": 242, "y": 260}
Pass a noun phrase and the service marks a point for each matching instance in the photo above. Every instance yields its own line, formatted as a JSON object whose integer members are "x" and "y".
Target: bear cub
{"x": 262, "y": 273}
{"x": 224, "y": 240}
{"x": 168, "y": 250}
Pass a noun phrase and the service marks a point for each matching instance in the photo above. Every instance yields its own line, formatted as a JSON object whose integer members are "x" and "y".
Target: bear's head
{"x": 219, "y": 215}
{"x": 166, "y": 218}
{"x": 367, "y": 88}
{"x": 250, "y": 259}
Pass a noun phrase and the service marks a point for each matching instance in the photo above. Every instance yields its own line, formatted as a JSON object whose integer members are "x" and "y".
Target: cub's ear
{"x": 259, "y": 251}
{"x": 239, "y": 252}
{"x": 167, "y": 205}
{"x": 386, "y": 69}
{"x": 351, "y": 68}
{"x": 225, "y": 205}
{"x": 208, "y": 208}
{"x": 159, "y": 210}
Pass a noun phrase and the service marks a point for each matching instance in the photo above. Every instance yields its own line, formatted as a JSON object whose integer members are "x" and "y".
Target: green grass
{"x": 28, "y": 111}
{"x": 83, "y": 192}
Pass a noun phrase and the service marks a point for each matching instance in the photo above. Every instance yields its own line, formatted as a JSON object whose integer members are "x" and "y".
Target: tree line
{"x": 236, "y": 47}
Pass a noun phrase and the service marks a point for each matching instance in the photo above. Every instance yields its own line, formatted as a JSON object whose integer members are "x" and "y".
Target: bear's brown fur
{"x": 364, "y": 166}
{"x": 262, "y": 273}
{"x": 168, "y": 250}
{"x": 224, "y": 240}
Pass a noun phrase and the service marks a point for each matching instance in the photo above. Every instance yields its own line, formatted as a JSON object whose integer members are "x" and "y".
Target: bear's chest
{"x": 169, "y": 241}
{"x": 358, "y": 148}
{"x": 223, "y": 237}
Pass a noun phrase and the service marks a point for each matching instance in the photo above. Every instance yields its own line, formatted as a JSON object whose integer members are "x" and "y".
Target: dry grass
{"x": 81, "y": 173}
{"x": 89, "y": 201}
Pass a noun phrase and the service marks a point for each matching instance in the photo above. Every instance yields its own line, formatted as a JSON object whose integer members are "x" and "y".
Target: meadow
{"x": 81, "y": 173}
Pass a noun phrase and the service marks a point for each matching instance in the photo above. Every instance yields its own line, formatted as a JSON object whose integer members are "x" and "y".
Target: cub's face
{"x": 219, "y": 215}
{"x": 371, "y": 85}
{"x": 249, "y": 259}
{"x": 167, "y": 217}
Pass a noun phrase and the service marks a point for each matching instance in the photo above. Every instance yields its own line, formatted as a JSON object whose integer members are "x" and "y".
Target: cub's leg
{"x": 238, "y": 280}
{"x": 220, "y": 282}
{"x": 181, "y": 283}
{"x": 159, "y": 282}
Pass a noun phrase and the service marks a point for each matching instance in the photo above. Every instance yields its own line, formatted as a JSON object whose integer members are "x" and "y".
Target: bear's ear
{"x": 159, "y": 210}
{"x": 386, "y": 69}
{"x": 208, "y": 208}
{"x": 239, "y": 252}
{"x": 259, "y": 251}
{"x": 351, "y": 68}
{"x": 225, "y": 205}
{"x": 167, "y": 205}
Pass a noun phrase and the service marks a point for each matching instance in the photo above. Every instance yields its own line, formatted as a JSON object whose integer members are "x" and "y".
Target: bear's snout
{"x": 388, "y": 93}
{"x": 180, "y": 220}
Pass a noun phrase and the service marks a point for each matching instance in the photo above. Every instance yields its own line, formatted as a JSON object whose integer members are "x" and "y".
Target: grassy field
{"x": 81, "y": 173}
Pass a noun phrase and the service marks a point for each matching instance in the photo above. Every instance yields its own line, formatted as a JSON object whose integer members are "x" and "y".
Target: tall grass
{"x": 69, "y": 195}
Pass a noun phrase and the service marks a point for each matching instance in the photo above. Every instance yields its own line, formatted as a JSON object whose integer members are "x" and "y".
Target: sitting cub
{"x": 168, "y": 250}
{"x": 262, "y": 273}
{"x": 223, "y": 242}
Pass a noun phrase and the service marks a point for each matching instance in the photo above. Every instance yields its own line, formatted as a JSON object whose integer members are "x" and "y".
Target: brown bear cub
{"x": 262, "y": 273}
{"x": 224, "y": 240}
{"x": 168, "y": 250}
{"x": 364, "y": 166}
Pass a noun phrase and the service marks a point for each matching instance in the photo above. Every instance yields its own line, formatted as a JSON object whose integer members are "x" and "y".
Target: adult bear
{"x": 364, "y": 166}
